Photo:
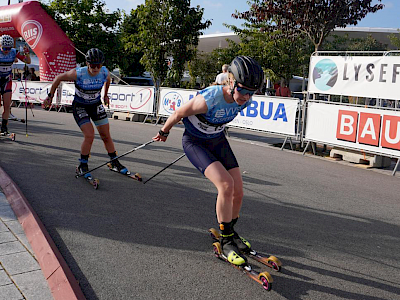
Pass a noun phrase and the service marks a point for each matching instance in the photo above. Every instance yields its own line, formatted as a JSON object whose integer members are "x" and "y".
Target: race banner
{"x": 269, "y": 114}
{"x": 67, "y": 94}
{"x": 30, "y": 91}
{"x": 358, "y": 128}
{"x": 358, "y": 76}
{"x": 172, "y": 99}
{"x": 135, "y": 99}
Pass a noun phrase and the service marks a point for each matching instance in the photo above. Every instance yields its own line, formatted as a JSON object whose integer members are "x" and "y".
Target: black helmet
{"x": 95, "y": 56}
{"x": 247, "y": 72}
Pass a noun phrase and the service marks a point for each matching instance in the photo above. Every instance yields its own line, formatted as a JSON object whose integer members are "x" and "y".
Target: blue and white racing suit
{"x": 204, "y": 141}
{"x": 6, "y": 62}
{"x": 87, "y": 101}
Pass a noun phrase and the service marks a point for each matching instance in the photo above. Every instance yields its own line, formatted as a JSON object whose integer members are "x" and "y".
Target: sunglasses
{"x": 245, "y": 91}
{"x": 6, "y": 48}
{"x": 95, "y": 66}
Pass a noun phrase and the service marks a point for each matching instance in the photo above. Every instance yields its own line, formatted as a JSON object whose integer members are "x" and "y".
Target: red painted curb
{"x": 60, "y": 279}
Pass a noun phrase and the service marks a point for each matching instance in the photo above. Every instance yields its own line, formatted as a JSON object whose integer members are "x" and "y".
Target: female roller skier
{"x": 8, "y": 54}
{"x": 87, "y": 105}
{"x": 207, "y": 148}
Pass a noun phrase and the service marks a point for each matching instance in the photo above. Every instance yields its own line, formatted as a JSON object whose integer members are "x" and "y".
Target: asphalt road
{"x": 335, "y": 227}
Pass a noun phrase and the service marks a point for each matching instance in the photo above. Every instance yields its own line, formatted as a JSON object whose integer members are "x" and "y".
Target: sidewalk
{"x": 31, "y": 266}
{"x": 20, "y": 274}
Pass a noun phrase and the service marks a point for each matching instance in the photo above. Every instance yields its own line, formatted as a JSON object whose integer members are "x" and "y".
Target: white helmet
{"x": 6, "y": 41}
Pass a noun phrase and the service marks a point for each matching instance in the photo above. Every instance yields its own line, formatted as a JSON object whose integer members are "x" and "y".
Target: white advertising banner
{"x": 30, "y": 91}
{"x": 67, "y": 93}
{"x": 135, "y": 99}
{"x": 359, "y": 76}
{"x": 270, "y": 114}
{"x": 172, "y": 99}
{"x": 359, "y": 128}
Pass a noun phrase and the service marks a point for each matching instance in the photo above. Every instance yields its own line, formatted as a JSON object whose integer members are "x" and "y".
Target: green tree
{"x": 345, "y": 43}
{"x": 88, "y": 24}
{"x": 279, "y": 56}
{"x": 395, "y": 39}
{"x": 204, "y": 67}
{"x": 131, "y": 66}
{"x": 313, "y": 19}
{"x": 166, "y": 28}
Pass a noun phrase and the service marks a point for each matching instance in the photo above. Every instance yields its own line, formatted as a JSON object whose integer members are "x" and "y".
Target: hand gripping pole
{"x": 183, "y": 155}
{"x": 130, "y": 151}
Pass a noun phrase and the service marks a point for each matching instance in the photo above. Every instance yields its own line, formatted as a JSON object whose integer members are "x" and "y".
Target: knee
{"x": 227, "y": 188}
{"x": 238, "y": 193}
{"x": 105, "y": 138}
{"x": 89, "y": 137}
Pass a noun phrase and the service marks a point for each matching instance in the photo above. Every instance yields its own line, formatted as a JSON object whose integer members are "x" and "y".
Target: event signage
{"x": 67, "y": 94}
{"x": 29, "y": 20}
{"x": 360, "y": 128}
{"x": 270, "y": 114}
{"x": 30, "y": 91}
{"x": 172, "y": 99}
{"x": 358, "y": 76}
{"x": 135, "y": 99}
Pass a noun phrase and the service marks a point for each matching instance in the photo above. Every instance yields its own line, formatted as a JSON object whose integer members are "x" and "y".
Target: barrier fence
{"x": 336, "y": 120}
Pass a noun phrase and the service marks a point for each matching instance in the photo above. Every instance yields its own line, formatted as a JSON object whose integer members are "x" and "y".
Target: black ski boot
{"x": 4, "y": 129}
{"x": 116, "y": 165}
{"x": 229, "y": 247}
{"x": 242, "y": 244}
{"x": 84, "y": 167}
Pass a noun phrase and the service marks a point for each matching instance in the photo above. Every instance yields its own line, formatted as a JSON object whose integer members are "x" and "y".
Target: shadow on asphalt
{"x": 173, "y": 211}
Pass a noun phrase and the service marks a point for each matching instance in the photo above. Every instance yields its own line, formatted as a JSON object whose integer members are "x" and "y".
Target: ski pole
{"x": 134, "y": 149}
{"x": 183, "y": 155}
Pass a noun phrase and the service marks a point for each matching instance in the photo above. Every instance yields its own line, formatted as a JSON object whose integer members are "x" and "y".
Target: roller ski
{"x": 82, "y": 168}
{"x": 226, "y": 250}
{"x": 8, "y": 135}
{"x": 245, "y": 248}
{"x": 116, "y": 166}
{"x": 4, "y": 131}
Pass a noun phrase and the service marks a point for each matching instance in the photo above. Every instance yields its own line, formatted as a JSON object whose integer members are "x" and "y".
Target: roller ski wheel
{"x": 270, "y": 261}
{"x": 10, "y": 136}
{"x": 263, "y": 278}
{"x": 93, "y": 181}
{"x": 135, "y": 176}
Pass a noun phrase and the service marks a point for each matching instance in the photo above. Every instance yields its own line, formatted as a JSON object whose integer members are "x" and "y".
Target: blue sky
{"x": 220, "y": 11}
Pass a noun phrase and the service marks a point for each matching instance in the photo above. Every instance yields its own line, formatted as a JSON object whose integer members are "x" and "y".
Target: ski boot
{"x": 82, "y": 168}
{"x": 4, "y": 129}
{"x": 243, "y": 245}
{"x": 118, "y": 167}
{"x": 229, "y": 248}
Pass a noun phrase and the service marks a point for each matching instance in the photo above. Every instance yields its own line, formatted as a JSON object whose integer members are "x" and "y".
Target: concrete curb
{"x": 59, "y": 277}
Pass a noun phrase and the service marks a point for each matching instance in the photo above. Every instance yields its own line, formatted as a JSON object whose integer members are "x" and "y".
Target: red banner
{"x": 30, "y": 21}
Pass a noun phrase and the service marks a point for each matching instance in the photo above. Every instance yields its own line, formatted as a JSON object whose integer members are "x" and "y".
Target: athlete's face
{"x": 242, "y": 94}
{"x": 94, "y": 68}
